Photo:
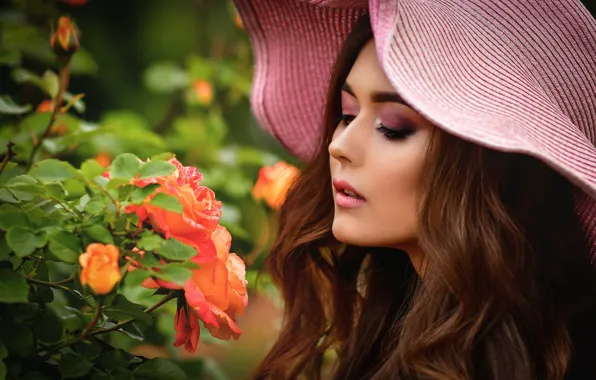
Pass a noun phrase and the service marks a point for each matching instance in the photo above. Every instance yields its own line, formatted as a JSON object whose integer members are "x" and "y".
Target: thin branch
{"x": 55, "y": 285}
{"x": 9, "y": 154}
{"x": 84, "y": 334}
{"x": 170, "y": 296}
{"x": 63, "y": 82}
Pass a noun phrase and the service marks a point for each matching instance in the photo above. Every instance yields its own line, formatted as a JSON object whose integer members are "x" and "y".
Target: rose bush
{"x": 72, "y": 186}
{"x": 93, "y": 234}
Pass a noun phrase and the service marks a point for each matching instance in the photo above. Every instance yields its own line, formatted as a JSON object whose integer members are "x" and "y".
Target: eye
{"x": 400, "y": 133}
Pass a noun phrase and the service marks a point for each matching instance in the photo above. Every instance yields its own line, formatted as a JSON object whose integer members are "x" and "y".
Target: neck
{"x": 416, "y": 257}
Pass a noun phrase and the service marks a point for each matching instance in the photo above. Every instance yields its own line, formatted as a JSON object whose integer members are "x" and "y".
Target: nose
{"x": 346, "y": 144}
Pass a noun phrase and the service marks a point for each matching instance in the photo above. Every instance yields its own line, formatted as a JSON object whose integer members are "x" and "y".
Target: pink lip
{"x": 341, "y": 199}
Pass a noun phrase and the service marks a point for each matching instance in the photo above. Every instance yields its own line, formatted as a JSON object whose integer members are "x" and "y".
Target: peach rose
{"x": 217, "y": 289}
{"x": 274, "y": 182}
{"x": 100, "y": 267}
{"x": 201, "y": 212}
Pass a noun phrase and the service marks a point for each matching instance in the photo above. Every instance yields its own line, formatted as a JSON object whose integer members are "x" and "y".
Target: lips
{"x": 347, "y": 196}
{"x": 345, "y": 188}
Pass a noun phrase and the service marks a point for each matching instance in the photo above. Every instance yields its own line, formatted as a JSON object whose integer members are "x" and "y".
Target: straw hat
{"x": 513, "y": 75}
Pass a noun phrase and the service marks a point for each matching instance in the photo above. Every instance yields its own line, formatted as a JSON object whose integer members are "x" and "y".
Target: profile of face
{"x": 376, "y": 157}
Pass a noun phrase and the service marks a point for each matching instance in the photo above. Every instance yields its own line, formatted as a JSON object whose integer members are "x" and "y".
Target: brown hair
{"x": 508, "y": 291}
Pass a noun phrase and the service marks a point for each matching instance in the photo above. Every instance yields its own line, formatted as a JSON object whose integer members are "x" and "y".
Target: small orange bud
{"x": 65, "y": 40}
{"x": 100, "y": 267}
{"x": 274, "y": 182}
{"x": 103, "y": 158}
{"x": 45, "y": 106}
{"x": 58, "y": 129}
{"x": 204, "y": 91}
{"x": 238, "y": 20}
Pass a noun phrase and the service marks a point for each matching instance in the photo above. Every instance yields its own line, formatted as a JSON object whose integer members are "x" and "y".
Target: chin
{"x": 349, "y": 233}
{"x": 359, "y": 234}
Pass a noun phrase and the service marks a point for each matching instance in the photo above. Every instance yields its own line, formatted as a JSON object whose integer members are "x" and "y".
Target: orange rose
{"x": 274, "y": 182}
{"x": 103, "y": 158}
{"x": 100, "y": 267}
{"x": 204, "y": 91}
{"x": 66, "y": 37}
{"x": 201, "y": 212}
{"x": 217, "y": 290}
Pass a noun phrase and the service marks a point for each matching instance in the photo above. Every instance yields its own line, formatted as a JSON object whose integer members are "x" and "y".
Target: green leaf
{"x": 24, "y": 241}
{"x": 159, "y": 369}
{"x": 24, "y": 187}
{"x": 167, "y": 202}
{"x": 72, "y": 366}
{"x": 156, "y": 169}
{"x": 99, "y": 233}
{"x": 88, "y": 349}
{"x": 56, "y": 190}
{"x": 18, "y": 338}
{"x": 114, "y": 360}
{"x": 13, "y": 218}
{"x": 165, "y": 78}
{"x": 134, "y": 279}
{"x": 151, "y": 243}
{"x": 13, "y": 287}
{"x": 47, "y": 327}
{"x": 65, "y": 246}
{"x": 141, "y": 193}
{"x": 52, "y": 170}
{"x": 91, "y": 169}
{"x": 122, "y": 309}
{"x": 175, "y": 273}
{"x": 51, "y": 83}
{"x": 176, "y": 250}
{"x": 125, "y": 166}
{"x": 74, "y": 188}
{"x": 166, "y": 156}
{"x": 95, "y": 207}
{"x": 9, "y": 107}
{"x": 4, "y": 249}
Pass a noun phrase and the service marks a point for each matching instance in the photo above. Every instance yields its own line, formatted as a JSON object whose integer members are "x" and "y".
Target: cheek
{"x": 394, "y": 199}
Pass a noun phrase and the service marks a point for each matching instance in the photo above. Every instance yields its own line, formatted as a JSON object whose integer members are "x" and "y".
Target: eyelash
{"x": 388, "y": 133}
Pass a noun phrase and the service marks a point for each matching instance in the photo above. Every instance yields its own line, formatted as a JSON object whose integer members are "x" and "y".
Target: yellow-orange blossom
{"x": 100, "y": 268}
{"x": 274, "y": 182}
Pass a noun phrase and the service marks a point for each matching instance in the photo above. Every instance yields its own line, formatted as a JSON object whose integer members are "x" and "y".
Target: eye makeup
{"x": 349, "y": 104}
{"x": 394, "y": 125}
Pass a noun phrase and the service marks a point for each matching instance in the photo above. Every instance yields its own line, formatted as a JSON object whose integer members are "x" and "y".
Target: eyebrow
{"x": 378, "y": 97}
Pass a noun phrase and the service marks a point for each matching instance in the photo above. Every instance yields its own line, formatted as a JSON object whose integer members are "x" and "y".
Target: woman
{"x": 435, "y": 233}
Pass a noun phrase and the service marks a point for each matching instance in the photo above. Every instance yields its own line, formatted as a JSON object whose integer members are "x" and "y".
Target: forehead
{"x": 366, "y": 75}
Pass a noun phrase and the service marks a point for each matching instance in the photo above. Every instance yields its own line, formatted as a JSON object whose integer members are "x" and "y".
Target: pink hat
{"x": 513, "y": 75}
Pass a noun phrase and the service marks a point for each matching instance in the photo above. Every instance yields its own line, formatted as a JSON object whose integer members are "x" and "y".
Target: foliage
{"x": 67, "y": 183}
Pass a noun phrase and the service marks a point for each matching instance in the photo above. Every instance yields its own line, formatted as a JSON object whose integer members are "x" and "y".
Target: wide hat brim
{"x": 513, "y": 75}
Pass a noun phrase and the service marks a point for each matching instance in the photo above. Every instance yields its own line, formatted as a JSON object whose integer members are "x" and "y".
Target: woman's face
{"x": 376, "y": 158}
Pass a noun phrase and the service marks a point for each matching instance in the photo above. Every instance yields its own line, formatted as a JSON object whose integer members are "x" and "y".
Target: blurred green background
{"x": 157, "y": 76}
